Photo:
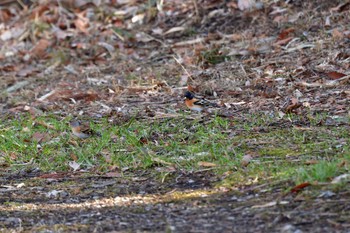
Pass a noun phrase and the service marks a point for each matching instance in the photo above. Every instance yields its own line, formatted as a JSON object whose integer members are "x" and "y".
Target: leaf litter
{"x": 121, "y": 59}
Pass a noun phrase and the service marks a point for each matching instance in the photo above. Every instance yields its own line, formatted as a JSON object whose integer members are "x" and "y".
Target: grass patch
{"x": 278, "y": 151}
{"x": 323, "y": 171}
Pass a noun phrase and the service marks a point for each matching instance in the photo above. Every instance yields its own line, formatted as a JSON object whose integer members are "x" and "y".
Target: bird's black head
{"x": 189, "y": 95}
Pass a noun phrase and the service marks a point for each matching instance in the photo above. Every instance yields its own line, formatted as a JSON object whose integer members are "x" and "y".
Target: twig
{"x": 332, "y": 83}
{"x": 24, "y": 164}
{"x": 196, "y": 8}
{"x": 155, "y": 39}
{"x": 205, "y": 169}
{"x": 245, "y": 73}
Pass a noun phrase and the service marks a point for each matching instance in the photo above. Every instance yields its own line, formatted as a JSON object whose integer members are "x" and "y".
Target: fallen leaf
{"x": 69, "y": 95}
{"x": 160, "y": 161}
{"x": 13, "y": 155}
{"x": 74, "y": 157}
{"x": 340, "y": 7}
{"x": 43, "y": 123}
{"x": 8, "y": 68}
{"x": 143, "y": 140}
{"x": 39, "y": 10}
{"x": 246, "y": 160}
{"x": 327, "y": 22}
{"x": 299, "y": 187}
{"x": 174, "y": 29}
{"x": 27, "y": 71}
{"x": 74, "y": 165}
{"x": 82, "y": 23}
{"x": 342, "y": 163}
{"x": 206, "y": 164}
{"x": 246, "y": 4}
{"x": 5, "y": 15}
{"x": 334, "y": 75}
{"x": 311, "y": 162}
{"x": 285, "y": 33}
{"x": 166, "y": 169}
{"x": 40, "y": 137}
{"x": 39, "y": 49}
{"x": 337, "y": 35}
{"x": 192, "y": 88}
{"x": 293, "y": 106}
{"x": 284, "y": 41}
{"x": 60, "y": 34}
{"x": 340, "y": 178}
{"x": 270, "y": 204}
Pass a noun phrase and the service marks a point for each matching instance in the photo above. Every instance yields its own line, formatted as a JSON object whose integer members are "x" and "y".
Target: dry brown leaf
{"x": 143, "y": 140}
{"x": 334, "y": 75}
{"x": 5, "y": 15}
{"x": 87, "y": 96}
{"x": 285, "y": 34}
{"x": 293, "y": 105}
{"x": 8, "y": 68}
{"x": 337, "y": 35}
{"x": 311, "y": 162}
{"x": 192, "y": 88}
{"x": 26, "y": 71}
{"x": 60, "y": 34}
{"x": 82, "y": 23}
{"x": 340, "y": 7}
{"x": 39, "y": 10}
{"x": 300, "y": 187}
{"x": 74, "y": 157}
{"x": 283, "y": 41}
{"x": 39, "y": 49}
{"x": 246, "y": 160}
{"x": 280, "y": 19}
{"x": 206, "y": 164}
{"x": 13, "y": 155}
{"x": 343, "y": 163}
{"x": 40, "y": 137}
{"x": 167, "y": 169}
{"x": 43, "y": 123}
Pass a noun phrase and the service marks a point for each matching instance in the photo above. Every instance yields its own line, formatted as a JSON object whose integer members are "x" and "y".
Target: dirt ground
{"x": 283, "y": 56}
{"x": 185, "y": 203}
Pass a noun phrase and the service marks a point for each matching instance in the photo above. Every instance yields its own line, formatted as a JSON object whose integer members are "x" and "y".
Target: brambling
{"x": 196, "y": 104}
{"x": 82, "y": 131}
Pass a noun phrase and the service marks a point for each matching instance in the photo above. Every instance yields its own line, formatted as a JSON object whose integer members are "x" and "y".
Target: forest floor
{"x": 273, "y": 157}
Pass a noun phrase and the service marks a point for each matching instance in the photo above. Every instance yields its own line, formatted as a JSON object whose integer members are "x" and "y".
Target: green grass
{"x": 279, "y": 152}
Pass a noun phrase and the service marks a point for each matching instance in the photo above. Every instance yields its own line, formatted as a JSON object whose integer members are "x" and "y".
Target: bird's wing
{"x": 203, "y": 102}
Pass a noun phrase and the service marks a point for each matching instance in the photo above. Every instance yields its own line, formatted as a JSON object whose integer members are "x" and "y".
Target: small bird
{"x": 82, "y": 131}
{"x": 197, "y": 104}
